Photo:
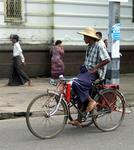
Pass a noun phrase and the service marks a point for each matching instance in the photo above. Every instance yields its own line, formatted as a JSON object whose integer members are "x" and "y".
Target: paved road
{"x": 14, "y": 135}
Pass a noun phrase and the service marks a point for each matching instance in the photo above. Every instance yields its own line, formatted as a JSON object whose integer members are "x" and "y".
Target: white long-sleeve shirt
{"x": 17, "y": 51}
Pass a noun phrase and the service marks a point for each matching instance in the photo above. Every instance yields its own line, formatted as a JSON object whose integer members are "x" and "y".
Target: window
{"x": 14, "y": 10}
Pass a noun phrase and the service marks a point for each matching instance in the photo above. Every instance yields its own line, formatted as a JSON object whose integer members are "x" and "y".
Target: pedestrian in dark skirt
{"x": 17, "y": 75}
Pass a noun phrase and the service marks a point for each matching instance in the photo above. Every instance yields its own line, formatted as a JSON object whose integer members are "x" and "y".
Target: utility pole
{"x": 113, "y": 71}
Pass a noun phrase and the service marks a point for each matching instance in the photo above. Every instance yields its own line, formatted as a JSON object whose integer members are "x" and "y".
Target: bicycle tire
{"x": 109, "y": 118}
{"x": 41, "y": 124}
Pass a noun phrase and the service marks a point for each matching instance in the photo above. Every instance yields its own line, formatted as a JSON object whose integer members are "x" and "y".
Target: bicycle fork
{"x": 56, "y": 107}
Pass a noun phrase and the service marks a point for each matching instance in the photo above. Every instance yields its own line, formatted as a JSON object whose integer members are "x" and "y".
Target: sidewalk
{"x": 15, "y": 99}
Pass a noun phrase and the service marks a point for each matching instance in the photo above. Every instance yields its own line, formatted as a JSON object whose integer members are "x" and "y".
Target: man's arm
{"x": 99, "y": 66}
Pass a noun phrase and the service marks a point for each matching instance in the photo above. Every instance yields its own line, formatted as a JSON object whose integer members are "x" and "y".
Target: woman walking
{"x": 57, "y": 61}
{"x": 17, "y": 74}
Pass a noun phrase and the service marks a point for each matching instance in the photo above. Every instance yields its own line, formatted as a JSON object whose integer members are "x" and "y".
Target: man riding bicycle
{"x": 93, "y": 68}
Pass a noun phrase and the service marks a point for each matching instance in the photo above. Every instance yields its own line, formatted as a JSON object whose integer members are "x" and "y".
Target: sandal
{"x": 75, "y": 123}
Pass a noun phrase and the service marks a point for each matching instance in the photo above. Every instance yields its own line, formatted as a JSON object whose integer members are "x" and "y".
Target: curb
{"x": 11, "y": 115}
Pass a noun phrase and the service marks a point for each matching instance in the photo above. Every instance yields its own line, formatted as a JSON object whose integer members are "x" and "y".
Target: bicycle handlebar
{"x": 62, "y": 78}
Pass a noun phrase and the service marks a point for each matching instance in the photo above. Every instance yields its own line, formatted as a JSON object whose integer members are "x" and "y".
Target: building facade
{"x": 40, "y": 22}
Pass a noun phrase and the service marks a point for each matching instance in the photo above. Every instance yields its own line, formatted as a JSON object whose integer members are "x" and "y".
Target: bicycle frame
{"x": 67, "y": 96}
{"x": 96, "y": 91}
{"x": 57, "y": 106}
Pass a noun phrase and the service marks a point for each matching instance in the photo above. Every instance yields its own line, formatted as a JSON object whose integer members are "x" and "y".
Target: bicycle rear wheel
{"x": 43, "y": 118}
{"x": 110, "y": 111}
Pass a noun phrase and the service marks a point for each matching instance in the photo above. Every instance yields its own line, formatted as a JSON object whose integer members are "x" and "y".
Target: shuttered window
{"x": 14, "y": 10}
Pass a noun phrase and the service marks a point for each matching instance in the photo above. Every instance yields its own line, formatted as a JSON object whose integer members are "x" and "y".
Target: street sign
{"x": 116, "y": 32}
{"x": 118, "y": 0}
{"x": 115, "y": 40}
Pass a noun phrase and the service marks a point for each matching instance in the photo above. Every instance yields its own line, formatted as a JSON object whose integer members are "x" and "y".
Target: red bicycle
{"x": 47, "y": 114}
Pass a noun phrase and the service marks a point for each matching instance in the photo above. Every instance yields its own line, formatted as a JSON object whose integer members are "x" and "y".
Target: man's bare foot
{"x": 30, "y": 83}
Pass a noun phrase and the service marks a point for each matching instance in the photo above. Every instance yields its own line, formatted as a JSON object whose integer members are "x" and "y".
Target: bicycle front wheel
{"x": 45, "y": 116}
{"x": 110, "y": 110}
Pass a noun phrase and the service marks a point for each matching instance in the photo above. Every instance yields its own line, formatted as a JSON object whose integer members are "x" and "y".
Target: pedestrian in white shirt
{"x": 17, "y": 74}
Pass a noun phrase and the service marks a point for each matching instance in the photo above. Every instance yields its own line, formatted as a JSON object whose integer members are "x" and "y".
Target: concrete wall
{"x": 37, "y": 25}
{"x": 71, "y": 16}
{"x": 38, "y": 60}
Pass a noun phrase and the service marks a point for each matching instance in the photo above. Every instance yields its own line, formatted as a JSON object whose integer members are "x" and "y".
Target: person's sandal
{"x": 75, "y": 123}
